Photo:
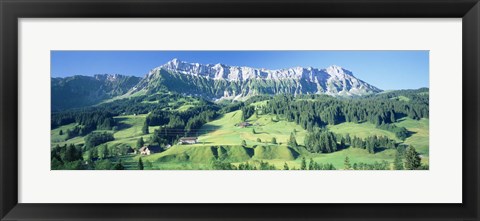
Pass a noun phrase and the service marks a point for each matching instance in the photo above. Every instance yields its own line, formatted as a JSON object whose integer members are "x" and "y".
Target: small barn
{"x": 244, "y": 124}
{"x": 188, "y": 140}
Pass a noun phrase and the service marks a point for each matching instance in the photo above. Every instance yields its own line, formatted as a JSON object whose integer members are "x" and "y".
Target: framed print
{"x": 192, "y": 116}
{"x": 287, "y": 110}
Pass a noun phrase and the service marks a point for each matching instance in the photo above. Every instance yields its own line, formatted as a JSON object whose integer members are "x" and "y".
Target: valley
{"x": 185, "y": 116}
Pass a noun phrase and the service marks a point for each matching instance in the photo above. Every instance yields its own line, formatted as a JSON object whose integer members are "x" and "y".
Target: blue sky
{"x": 384, "y": 69}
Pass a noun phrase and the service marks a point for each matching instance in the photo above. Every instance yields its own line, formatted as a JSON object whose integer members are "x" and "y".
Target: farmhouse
{"x": 144, "y": 151}
{"x": 188, "y": 140}
{"x": 244, "y": 124}
{"x": 147, "y": 150}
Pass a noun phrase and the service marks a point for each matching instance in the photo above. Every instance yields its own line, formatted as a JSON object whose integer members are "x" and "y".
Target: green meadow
{"x": 254, "y": 134}
{"x": 225, "y": 131}
{"x": 362, "y": 130}
{"x": 222, "y": 138}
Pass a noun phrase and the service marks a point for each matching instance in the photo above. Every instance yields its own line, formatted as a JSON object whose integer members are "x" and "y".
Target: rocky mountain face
{"x": 211, "y": 81}
{"x": 219, "y": 81}
{"x": 79, "y": 91}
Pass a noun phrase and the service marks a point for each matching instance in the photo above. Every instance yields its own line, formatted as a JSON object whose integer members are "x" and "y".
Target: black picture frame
{"x": 12, "y": 10}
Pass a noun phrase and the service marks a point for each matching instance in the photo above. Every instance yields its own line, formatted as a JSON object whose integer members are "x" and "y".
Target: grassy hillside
{"x": 362, "y": 130}
{"x": 55, "y": 136}
{"x": 220, "y": 140}
{"x": 128, "y": 132}
{"x": 225, "y": 131}
{"x": 419, "y": 137}
{"x": 401, "y": 98}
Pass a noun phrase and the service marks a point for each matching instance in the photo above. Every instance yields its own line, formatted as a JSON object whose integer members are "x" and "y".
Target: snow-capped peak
{"x": 335, "y": 70}
{"x": 236, "y": 73}
{"x": 242, "y": 82}
{"x": 333, "y": 80}
{"x": 173, "y": 64}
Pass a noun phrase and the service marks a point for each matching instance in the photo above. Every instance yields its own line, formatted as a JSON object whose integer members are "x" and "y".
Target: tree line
{"x": 311, "y": 111}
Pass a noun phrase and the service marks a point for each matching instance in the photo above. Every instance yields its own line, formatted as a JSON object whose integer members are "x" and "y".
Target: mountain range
{"x": 211, "y": 81}
{"x": 80, "y": 91}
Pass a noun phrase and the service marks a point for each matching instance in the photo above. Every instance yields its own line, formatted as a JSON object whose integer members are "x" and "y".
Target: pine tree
{"x": 119, "y": 166}
{"x": 285, "y": 166}
{"x": 89, "y": 156}
{"x": 140, "y": 163}
{"x": 70, "y": 153}
{"x": 292, "y": 142}
{"x": 244, "y": 143}
{"x": 259, "y": 140}
{"x": 355, "y": 166}
{"x": 106, "y": 153}
{"x": 392, "y": 117}
{"x": 94, "y": 153}
{"x": 311, "y": 165}
{"x": 348, "y": 139}
{"x": 274, "y": 140}
{"x": 140, "y": 142}
{"x": 398, "y": 162}
{"x": 60, "y": 132}
{"x": 412, "y": 159}
{"x": 253, "y": 131}
{"x": 145, "y": 128}
{"x": 304, "y": 164}
{"x": 244, "y": 115}
{"x": 342, "y": 143}
{"x": 347, "y": 164}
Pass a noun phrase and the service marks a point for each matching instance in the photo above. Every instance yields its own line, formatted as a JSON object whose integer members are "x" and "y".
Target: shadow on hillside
{"x": 294, "y": 152}
{"x": 400, "y": 117}
{"x": 260, "y": 132}
{"x": 119, "y": 122}
{"x": 122, "y": 126}
{"x": 380, "y": 149}
{"x": 410, "y": 133}
{"x": 205, "y": 130}
{"x": 214, "y": 152}
{"x": 250, "y": 152}
{"x": 340, "y": 147}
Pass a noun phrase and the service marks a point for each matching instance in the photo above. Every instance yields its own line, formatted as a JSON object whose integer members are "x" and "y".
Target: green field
{"x": 224, "y": 131}
{"x": 54, "y": 134}
{"x": 419, "y": 137}
{"x": 362, "y": 130}
{"x": 401, "y": 98}
{"x": 355, "y": 155}
{"x": 221, "y": 139}
{"x": 129, "y": 131}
